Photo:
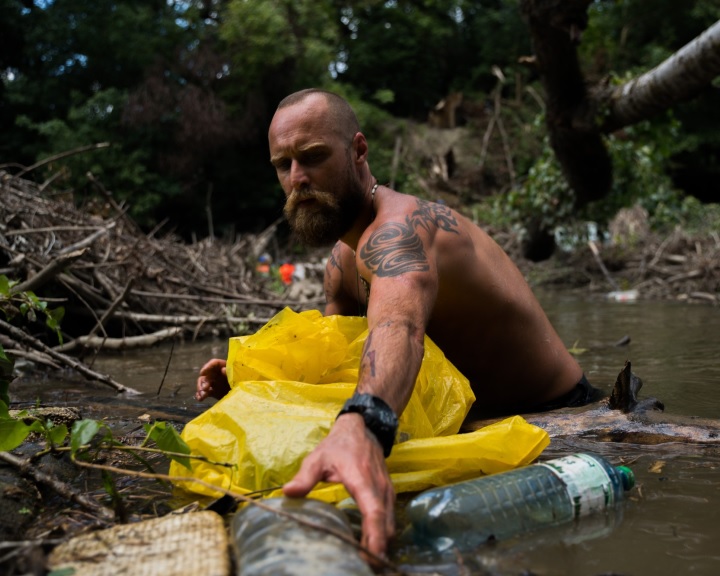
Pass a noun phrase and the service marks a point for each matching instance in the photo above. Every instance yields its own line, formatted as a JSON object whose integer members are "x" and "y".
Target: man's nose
{"x": 298, "y": 177}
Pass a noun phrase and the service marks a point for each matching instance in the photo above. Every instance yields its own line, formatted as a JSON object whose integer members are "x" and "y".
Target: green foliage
{"x": 13, "y": 432}
{"x": 25, "y": 303}
{"x": 401, "y": 46}
{"x": 7, "y": 365}
{"x": 123, "y": 168}
{"x": 184, "y": 91}
{"x": 277, "y": 37}
{"x": 86, "y": 435}
{"x": 83, "y": 431}
{"x": 168, "y": 439}
{"x": 626, "y": 36}
{"x": 640, "y": 157}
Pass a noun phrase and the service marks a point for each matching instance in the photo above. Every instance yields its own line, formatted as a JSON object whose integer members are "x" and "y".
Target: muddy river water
{"x": 668, "y": 524}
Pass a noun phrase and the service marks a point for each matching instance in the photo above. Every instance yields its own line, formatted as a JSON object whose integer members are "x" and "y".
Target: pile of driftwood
{"x": 678, "y": 266}
{"x": 122, "y": 287}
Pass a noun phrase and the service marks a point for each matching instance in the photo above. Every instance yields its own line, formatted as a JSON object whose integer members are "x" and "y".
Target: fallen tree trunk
{"x": 100, "y": 343}
{"x": 63, "y": 359}
{"x": 679, "y": 78}
{"x": 579, "y": 114}
{"x": 622, "y": 418}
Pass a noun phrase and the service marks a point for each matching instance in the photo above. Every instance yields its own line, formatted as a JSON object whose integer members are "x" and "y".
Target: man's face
{"x": 316, "y": 170}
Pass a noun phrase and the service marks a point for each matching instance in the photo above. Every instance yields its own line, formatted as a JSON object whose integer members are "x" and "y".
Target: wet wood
{"x": 100, "y": 343}
{"x": 29, "y": 469}
{"x": 121, "y": 286}
{"x": 172, "y": 278}
{"x": 623, "y": 418}
{"x": 48, "y": 272}
{"x": 20, "y": 336}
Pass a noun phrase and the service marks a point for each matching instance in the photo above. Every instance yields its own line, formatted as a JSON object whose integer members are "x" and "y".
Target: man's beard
{"x": 327, "y": 216}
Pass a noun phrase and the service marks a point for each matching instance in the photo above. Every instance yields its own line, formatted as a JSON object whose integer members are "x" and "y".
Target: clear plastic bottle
{"x": 270, "y": 544}
{"x": 467, "y": 514}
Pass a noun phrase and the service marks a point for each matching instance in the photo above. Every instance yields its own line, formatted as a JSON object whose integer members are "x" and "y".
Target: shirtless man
{"x": 417, "y": 267}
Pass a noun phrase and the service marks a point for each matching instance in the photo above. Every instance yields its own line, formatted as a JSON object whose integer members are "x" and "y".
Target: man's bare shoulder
{"x": 404, "y": 217}
{"x": 339, "y": 258}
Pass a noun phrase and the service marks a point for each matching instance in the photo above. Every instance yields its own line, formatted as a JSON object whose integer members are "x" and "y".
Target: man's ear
{"x": 360, "y": 148}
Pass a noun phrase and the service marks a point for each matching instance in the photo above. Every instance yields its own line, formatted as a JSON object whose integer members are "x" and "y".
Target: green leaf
{"x": 82, "y": 432}
{"x": 14, "y": 432}
{"x": 57, "y": 434}
{"x": 4, "y": 286}
{"x": 167, "y": 438}
{"x": 54, "y": 317}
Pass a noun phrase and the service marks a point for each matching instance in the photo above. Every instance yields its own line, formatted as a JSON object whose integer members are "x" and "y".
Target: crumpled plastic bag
{"x": 288, "y": 382}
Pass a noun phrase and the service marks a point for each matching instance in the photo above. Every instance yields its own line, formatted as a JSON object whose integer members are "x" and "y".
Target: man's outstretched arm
{"x": 401, "y": 300}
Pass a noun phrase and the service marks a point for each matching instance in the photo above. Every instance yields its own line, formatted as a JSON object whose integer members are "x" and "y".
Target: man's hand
{"x": 212, "y": 380}
{"x": 351, "y": 455}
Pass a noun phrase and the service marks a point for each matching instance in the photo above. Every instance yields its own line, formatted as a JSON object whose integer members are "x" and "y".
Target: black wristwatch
{"x": 378, "y": 416}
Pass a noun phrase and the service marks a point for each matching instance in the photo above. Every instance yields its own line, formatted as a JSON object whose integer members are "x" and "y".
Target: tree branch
{"x": 681, "y": 77}
{"x": 66, "y": 360}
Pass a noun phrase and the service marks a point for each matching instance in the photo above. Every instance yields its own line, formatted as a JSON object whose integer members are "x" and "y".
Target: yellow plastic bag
{"x": 289, "y": 381}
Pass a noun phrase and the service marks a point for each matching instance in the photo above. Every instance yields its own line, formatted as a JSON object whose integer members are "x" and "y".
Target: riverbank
{"x": 122, "y": 287}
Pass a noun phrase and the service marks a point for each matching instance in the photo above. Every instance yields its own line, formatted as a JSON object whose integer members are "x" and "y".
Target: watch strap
{"x": 379, "y": 418}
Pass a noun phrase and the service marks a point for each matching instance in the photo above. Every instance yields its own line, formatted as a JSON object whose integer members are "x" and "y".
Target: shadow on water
{"x": 667, "y": 524}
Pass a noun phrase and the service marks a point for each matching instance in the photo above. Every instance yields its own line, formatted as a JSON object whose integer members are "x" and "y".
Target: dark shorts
{"x": 583, "y": 393}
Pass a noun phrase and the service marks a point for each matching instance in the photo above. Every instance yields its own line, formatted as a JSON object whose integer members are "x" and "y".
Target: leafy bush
{"x": 24, "y": 303}
{"x": 640, "y": 157}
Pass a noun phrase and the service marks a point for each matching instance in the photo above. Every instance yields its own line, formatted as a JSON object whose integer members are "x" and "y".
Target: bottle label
{"x": 588, "y": 484}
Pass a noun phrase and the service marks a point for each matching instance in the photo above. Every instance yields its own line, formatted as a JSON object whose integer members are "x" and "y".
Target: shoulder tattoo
{"x": 334, "y": 259}
{"x": 333, "y": 264}
{"x": 394, "y": 249}
{"x": 430, "y": 213}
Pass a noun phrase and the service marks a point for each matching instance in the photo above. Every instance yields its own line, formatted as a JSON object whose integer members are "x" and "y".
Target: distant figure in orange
{"x": 286, "y": 272}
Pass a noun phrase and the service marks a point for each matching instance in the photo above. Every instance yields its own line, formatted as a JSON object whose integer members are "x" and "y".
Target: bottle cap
{"x": 627, "y": 477}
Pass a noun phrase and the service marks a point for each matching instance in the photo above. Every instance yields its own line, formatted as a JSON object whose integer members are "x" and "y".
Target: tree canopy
{"x": 184, "y": 91}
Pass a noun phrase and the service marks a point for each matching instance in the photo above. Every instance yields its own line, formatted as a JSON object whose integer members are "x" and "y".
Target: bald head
{"x": 339, "y": 115}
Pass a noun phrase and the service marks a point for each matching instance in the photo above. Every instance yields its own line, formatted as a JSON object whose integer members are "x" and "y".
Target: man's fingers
{"x": 376, "y": 502}
{"x": 305, "y": 480}
{"x": 390, "y": 512}
{"x": 212, "y": 380}
{"x": 374, "y": 535}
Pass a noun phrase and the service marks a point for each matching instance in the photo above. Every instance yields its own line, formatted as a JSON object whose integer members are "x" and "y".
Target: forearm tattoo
{"x": 395, "y": 247}
{"x": 368, "y": 356}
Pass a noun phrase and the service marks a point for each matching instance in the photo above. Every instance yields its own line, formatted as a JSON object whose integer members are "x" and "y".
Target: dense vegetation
{"x": 183, "y": 92}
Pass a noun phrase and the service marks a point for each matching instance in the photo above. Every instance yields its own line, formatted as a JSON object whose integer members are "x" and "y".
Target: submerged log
{"x": 622, "y": 418}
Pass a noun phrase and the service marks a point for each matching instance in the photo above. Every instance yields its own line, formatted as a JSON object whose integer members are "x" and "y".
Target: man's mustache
{"x": 301, "y": 195}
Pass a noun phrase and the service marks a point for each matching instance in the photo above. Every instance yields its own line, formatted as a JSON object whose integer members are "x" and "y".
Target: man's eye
{"x": 313, "y": 158}
{"x": 282, "y": 165}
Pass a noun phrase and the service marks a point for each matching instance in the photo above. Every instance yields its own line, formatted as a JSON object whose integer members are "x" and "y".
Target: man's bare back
{"x": 484, "y": 317}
